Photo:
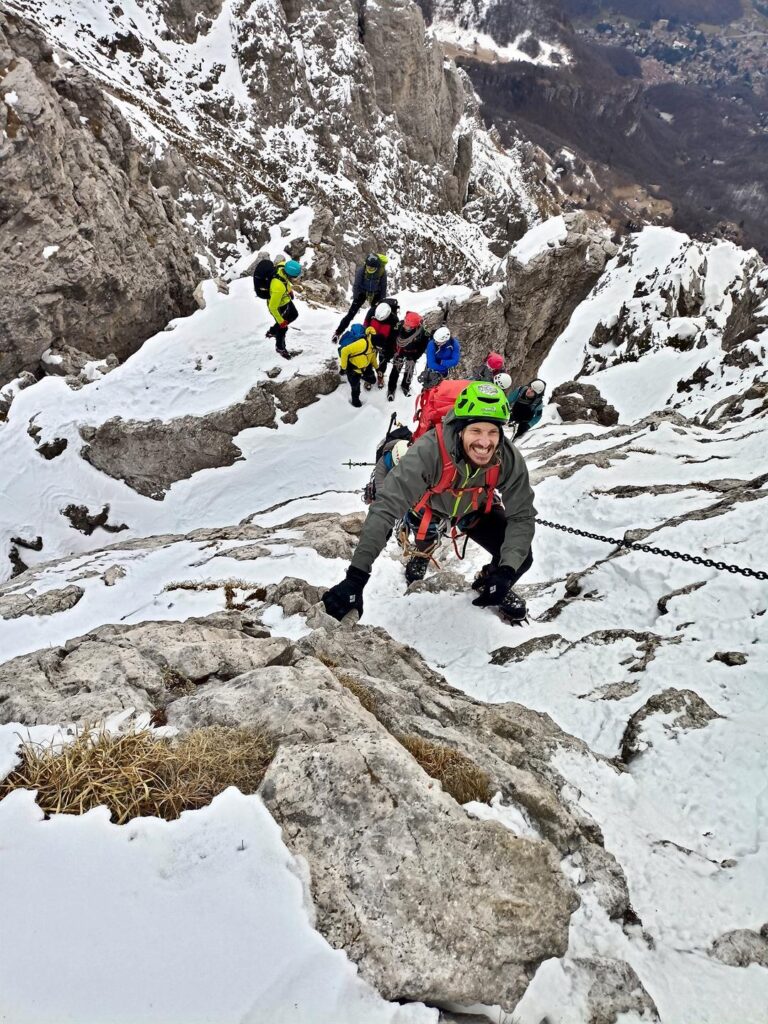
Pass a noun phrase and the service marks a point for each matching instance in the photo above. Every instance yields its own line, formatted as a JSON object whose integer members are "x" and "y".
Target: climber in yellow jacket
{"x": 280, "y": 303}
{"x": 358, "y": 359}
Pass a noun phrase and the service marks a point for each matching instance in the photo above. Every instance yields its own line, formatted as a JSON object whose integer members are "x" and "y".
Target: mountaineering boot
{"x": 379, "y": 379}
{"x": 367, "y": 385}
{"x": 391, "y": 396}
{"x": 335, "y": 338}
{"x": 356, "y": 402}
{"x": 416, "y": 568}
{"x": 479, "y": 581}
{"x": 406, "y": 392}
{"x": 283, "y": 352}
{"x": 512, "y": 609}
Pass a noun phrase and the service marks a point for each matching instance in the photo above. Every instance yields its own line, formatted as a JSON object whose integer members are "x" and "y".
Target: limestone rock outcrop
{"x": 535, "y": 301}
{"x": 90, "y": 250}
{"x": 582, "y": 403}
{"x": 151, "y": 455}
{"x": 426, "y": 899}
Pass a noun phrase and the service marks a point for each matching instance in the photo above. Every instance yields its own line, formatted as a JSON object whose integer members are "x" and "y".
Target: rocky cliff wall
{"x": 90, "y": 251}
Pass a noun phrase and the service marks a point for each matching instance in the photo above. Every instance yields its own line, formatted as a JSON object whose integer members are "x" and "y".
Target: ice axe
{"x": 350, "y": 464}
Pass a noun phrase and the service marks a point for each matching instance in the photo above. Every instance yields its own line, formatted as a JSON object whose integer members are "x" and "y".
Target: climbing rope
{"x": 411, "y": 551}
{"x": 621, "y": 542}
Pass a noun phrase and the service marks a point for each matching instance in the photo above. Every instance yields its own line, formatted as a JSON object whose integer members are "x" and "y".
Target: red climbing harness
{"x": 446, "y": 483}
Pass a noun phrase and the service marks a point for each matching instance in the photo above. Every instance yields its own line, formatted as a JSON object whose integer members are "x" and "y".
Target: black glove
{"x": 494, "y": 586}
{"x": 346, "y": 596}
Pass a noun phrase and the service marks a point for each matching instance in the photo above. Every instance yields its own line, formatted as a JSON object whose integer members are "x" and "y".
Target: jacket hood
{"x": 356, "y": 332}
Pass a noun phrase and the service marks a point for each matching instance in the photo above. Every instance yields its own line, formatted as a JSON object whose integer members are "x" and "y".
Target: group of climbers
{"x": 457, "y": 471}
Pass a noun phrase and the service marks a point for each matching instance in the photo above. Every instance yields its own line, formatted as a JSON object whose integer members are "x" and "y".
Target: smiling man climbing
{"x": 463, "y": 473}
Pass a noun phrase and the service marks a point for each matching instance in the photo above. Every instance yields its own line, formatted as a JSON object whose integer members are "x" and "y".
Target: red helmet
{"x": 495, "y": 362}
{"x": 412, "y": 320}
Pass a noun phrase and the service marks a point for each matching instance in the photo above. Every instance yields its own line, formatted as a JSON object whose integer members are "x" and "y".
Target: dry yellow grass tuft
{"x": 139, "y": 773}
{"x": 365, "y": 695}
{"x": 228, "y": 586}
{"x": 456, "y": 773}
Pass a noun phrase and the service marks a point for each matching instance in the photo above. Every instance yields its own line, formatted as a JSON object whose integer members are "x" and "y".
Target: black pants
{"x": 289, "y": 313}
{"x": 406, "y": 365}
{"x": 354, "y": 378}
{"x": 358, "y": 301}
{"x": 486, "y": 530}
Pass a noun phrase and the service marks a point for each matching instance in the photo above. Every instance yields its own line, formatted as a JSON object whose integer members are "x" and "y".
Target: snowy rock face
{"x": 548, "y": 273}
{"x": 685, "y": 321}
{"x": 576, "y": 402}
{"x": 90, "y": 250}
{"x": 151, "y": 455}
{"x": 349, "y": 113}
{"x": 532, "y": 32}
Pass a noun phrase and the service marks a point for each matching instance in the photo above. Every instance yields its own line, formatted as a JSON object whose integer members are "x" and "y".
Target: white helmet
{"x": 399, "y": 448}
{"x": 503, "y": 380}
{"x": 382, "y": 311}
{"x": 441, "y": 336}
{"x": 538, "y": 387}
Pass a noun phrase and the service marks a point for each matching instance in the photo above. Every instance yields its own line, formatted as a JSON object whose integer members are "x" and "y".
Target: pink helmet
{"x": 495, "y": 362}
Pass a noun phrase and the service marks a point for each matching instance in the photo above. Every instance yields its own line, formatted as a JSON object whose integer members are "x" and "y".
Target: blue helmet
{"x": 292, "y": 268}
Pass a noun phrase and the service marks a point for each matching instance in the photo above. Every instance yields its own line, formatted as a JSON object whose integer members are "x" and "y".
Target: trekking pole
{"x": 350, "y": 464}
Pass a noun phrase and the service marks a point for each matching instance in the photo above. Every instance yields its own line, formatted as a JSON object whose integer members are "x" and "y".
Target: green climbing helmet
{"x": 483, "y": 403}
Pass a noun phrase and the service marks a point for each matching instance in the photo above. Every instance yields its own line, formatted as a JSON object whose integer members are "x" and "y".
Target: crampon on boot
{"x": 512, "y": 609}
{"x": 416, "y": 568}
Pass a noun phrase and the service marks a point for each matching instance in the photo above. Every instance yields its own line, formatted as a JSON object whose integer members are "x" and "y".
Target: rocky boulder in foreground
{"x": 430, "y": 902}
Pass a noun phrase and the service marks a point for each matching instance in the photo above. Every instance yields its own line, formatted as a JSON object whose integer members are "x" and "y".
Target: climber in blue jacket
{"x": 443, "y": 353}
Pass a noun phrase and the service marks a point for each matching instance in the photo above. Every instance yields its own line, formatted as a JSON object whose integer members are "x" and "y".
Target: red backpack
{"x": 434, "y": 403}
{"x": 448, "y": 478}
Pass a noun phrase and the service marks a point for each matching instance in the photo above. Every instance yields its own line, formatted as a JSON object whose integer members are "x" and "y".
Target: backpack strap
{"x": 491, "y": 482}
{"x": 447, "y": 474}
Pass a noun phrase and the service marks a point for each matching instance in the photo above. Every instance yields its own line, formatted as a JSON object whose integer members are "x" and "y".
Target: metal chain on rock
{"x": 648, "y": 549}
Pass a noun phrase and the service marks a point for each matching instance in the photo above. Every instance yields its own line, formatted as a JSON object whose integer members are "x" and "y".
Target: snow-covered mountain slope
{"x": 657, "y": 665}
{"x": 249, "y": 108}
{"x": 672, "y": 323}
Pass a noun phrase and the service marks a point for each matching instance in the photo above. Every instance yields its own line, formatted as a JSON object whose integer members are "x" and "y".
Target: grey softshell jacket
{"x": 421, "y": 468}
